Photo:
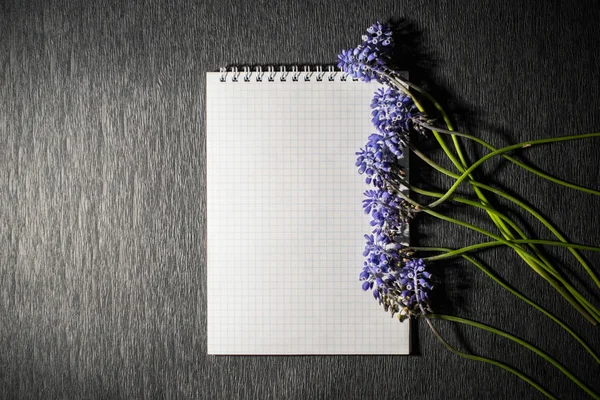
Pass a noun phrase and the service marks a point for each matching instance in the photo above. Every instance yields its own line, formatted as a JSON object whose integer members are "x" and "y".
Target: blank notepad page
{"x": 285, "y": 220}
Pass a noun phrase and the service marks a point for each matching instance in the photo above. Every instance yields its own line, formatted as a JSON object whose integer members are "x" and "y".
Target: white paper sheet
{"x": 285, "y": 222}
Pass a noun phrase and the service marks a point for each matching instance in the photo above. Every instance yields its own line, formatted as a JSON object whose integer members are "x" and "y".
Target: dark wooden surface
{"x": 102, "y": 196}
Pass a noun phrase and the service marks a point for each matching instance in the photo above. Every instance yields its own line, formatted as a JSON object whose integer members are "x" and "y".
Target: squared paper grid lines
{"x": 285, "y": 222}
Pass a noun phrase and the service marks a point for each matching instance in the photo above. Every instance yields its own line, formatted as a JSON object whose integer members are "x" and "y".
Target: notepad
{"x": 285, "y": 221}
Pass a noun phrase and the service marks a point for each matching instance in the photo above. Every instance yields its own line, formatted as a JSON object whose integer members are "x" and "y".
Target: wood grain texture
{"x": 102, "y": 196}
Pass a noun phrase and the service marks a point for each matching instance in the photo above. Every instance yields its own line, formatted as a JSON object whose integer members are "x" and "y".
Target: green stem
{"x": 578, "y": 302}
{"x": 499, "y": 222}
{"x": 523, "y": 343}
{"x": 518, "y": 294}
{"x": 463, "y": 163}
{"x": 583, "y": 307}
{"x": 502, "y": 216}
{"x": 402, "y": 85}
{"x": 545, "y": 263}
{"x": 548, "y": 266}
{"x": 521, "y": 204}
{"x": 531, "y": 261}
{"x": 485, "y": 245}
{"x": 506, "y": 149}
{"x": 489, "y": 361}
{"x": 440, "y": 109}
{"x": 529, "y": 168}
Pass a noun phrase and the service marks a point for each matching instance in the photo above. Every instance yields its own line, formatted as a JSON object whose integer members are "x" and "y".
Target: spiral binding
{"x": 317, "y": 73}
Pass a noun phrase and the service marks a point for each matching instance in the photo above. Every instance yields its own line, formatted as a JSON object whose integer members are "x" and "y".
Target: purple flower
{"x": 382, "y": 265}
{"x": 392, "y": 113}
{"x": 398, "y": 283}
{"x": 416, "y": 282}
{"x": 389, "y": 212}
{"x": 391, "y": 141}
{"x": 361, "y": 63}
{"x": 378, "y": 162}
{"x": 371, "y": 56}
{"x": 378, "y": 35}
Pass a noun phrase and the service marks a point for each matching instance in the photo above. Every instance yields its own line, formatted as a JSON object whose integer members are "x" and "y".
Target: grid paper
{"x": 285, "y": 220}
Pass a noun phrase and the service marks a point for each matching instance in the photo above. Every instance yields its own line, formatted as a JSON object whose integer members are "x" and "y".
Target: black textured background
{"x": 102, "y": 173}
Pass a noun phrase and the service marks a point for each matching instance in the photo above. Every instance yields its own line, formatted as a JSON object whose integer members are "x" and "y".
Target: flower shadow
{"x": 410, "y": 55}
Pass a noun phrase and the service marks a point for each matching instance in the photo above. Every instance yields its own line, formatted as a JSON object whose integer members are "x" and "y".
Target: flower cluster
{"x": 400, "y": 285}
{"x": 389, "y": 212}
{"x": 398, "y": 282}
{"x": 379, "y": 36}
{"x": 395, "y": 275}
{"x": 393, "y": 113}
{"x": 370, "y": 57}
{"x": 376, "y": 161}
{"x": 416, "y": 282}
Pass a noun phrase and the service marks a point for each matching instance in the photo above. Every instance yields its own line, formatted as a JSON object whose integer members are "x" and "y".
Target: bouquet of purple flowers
{"x": 396, "y": 273}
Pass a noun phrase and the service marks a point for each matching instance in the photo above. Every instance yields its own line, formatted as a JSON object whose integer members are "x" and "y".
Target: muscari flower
{"x": 401, "y": 285}
{"x": 361, "y": 63}
{"x": 370, "y": 57}
{"x": 378, "y": 35}
{"x": 417, "y": 286}
{"x": 404, "y": 292}
{"x": 393, "y": 112}
{"x": 389, "y": 212}
{"x": 377, "y": 162}
{"x": 381, "y": 267}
